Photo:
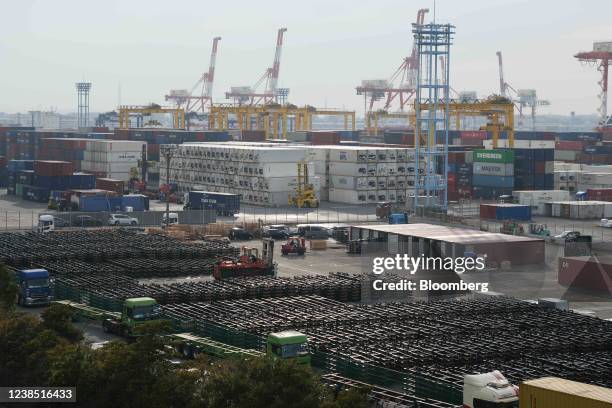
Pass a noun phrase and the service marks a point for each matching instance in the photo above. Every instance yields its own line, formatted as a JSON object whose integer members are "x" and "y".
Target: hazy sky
{"x": 149, "y": 47}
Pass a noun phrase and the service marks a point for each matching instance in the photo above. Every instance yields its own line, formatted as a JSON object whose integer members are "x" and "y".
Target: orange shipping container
{"x": 550, "y": 392}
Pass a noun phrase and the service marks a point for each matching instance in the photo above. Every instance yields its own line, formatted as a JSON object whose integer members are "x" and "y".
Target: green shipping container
{"x": 494, "y": 156}
{"x": 19, "y": 190}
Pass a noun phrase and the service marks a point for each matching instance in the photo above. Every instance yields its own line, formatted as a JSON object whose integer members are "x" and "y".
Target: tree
{"x": 58, "y": 318}
{"x": 8, "y": 289}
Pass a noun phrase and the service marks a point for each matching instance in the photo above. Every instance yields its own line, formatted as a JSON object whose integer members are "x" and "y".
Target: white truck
{"x": 489, "y": 390}
{"x": 46, "y": 224}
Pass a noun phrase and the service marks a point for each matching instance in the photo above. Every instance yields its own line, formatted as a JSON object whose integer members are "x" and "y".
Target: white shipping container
{"x": 347, "y": 169}
{"x": 348, "y": 182}
{"x": 567, "y": 155}
{"x": 595, "y": 169}
{"x": 595, "y": 178}
{"x": 586, "y": 210}
{"x": 347, "y": 196}
{"x": 521, "y": 144}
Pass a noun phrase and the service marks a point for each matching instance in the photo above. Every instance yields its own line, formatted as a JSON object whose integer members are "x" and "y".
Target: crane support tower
{"x": 244, "y": 95}
{"x": 600, "y": 57}
{"x": 432, "y": 115}
{"x": 189, "y": 100}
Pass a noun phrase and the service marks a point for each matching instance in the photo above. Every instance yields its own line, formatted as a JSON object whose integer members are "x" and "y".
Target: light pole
{"x": 168, "y": 155}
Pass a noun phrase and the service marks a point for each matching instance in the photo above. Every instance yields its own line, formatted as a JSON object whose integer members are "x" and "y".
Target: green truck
{"x": 134, "y": 314}
{"x": 287, "y": 345}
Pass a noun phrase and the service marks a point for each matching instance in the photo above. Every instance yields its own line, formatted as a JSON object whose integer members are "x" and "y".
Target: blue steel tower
{"x": 432, "y": 115}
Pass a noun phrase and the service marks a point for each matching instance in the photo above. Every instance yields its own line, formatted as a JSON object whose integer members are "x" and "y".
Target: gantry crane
{"x": 191, "y": 101}
{"x": 391, "y": 89}
{"x": 523, "y": 98}
{"x": 245, "y": 95}
{"x": 601, "y": 57}
{"x": 140, "y": 112}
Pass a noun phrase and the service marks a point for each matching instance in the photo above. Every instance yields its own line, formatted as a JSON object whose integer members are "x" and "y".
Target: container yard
{"x": 251, "y": 230}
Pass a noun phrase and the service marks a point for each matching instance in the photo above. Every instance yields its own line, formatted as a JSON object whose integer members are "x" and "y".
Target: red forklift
{"x": 294, "y": 245}
{"x": 248, "y": 264}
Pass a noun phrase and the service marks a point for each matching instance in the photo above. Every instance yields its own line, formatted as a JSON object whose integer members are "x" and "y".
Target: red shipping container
{"x": 587, "y": 273}
{"x": 488, "y": 212}
{"x": 569, "y": 145}
{"x": 470, "y": 141}
{"x": 53, "y": 168}
{"x": 473, "y": 134}
{"x": 117, "y": 186}
{"x": 323, "y": 137}
{"x": 599, "y": 194}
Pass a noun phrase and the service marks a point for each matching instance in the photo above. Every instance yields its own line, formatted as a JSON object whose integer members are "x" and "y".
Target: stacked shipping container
{"x": 112, "y": 158}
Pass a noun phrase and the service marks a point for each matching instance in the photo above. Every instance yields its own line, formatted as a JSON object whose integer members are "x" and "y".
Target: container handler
{"x": 294, "y": 245}
{"x": 249, "y": 263}
{"x": 305, "y": 195}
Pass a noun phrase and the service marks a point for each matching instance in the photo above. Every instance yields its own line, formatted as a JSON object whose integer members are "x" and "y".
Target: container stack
{"x": 364, "y": 174}
{"x": 21, "y": 144}
{"x": 585, "y": 210}
{"x": 262, "y": 174}
{"x": 112, "y": 158}
{"x": 70, "y": 150}
{"x": 537, "y": 200}
{"x": 493, "y": 173}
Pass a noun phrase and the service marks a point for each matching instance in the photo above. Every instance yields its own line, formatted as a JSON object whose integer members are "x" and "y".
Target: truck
{"x": 285, "y": 345}
{"x": 34, "y": 287}
{"x": 225, "y": 204}
{"x": 134, "y": 313}
{"x": 491, "y": 390}
{"x": 46, "y": 224}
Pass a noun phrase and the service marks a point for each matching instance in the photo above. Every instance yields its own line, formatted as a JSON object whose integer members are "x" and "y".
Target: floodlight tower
{"x": 83, "y": 104}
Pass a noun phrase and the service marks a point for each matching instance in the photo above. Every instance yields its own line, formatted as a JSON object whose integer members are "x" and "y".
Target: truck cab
{"x": 135, "y": 312}
{"x": 170, "y": 218}
{"x": 288, "y": 345}
{"x": 46, "y": 224}
{"x": 34, "y": 287}
{"x": 489, "y": 390}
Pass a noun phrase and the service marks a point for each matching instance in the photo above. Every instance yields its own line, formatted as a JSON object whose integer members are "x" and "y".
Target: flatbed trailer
{"x": 191, "y": 345}
{"x": 89, "y": 312}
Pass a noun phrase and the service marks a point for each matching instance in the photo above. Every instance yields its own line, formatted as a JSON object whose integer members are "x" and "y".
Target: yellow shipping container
{"x": 550, "y": 392}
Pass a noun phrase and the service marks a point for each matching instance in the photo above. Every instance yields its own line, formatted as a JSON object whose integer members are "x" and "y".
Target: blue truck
{"x": 224, "y": 203}
{"x": 34, "y": 287}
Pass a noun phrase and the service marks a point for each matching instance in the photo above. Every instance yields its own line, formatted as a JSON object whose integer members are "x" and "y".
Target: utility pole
{"x": 168, "y": 154}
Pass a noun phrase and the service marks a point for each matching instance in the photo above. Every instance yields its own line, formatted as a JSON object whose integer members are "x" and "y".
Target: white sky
{"x": 152, "y": 46}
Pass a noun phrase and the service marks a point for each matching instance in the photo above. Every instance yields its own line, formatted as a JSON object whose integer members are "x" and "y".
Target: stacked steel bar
{"x": 445, "y": 339}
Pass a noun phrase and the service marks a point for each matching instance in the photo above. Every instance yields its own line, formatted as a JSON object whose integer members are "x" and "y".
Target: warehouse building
{"x": 437, "y": 240}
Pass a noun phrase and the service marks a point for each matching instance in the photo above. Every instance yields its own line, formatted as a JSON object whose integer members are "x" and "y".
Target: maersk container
{"x": 223, "y": 203}
{"x": 551, "y": 392}
{"x": 493, "y": 181}
{"x": 494, "y": 169}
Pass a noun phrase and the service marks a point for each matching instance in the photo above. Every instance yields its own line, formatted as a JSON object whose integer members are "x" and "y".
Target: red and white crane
{"x": 191, "y": 101}
{"x": 250, "y": 95}
{"x": 600, "y": 57}
{"x": 400, "y": 86}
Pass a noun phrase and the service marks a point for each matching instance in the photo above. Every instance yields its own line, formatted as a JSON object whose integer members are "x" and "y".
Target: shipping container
{"x": 505, "y": 212}
{"x": 223, "y": 203}
{"x": 53, "y": 168}
{"x": 494, "y": 156}
{"x": 117, "y": 186}
{"x": 550, "y": 392}
{"x": 494, "y": 169}
{"x": 493, "y": 181}
{"x": 137, "y": 202}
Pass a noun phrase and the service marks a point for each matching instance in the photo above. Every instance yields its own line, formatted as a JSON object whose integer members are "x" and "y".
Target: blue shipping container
{"x": 19, "y": 165}
{"x": 138, "y": 202}
{"x": 223, "y": 203}
{"x": 513, "y": 212}
{"x": 492, "y": 181}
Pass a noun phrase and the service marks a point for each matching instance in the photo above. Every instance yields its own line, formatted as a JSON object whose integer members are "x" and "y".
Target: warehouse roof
{"x": 447, "y": 234}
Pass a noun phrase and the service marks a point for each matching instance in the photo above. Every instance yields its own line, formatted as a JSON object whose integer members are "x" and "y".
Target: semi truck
{"x": 224, "y": 204}
{"x": 34, "y": 287}
{"x": 286, "y": 345}
{"x": 134, "y": 313}
{"x": 489, "y": 390}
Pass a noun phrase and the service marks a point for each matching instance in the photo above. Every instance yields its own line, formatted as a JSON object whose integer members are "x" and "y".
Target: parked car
{"x": 275, "y": 233}
{"x": 313, "y": 231}
{"x": 240, "y": 234}
{"x": 566, "y": 235}
{"x": 606, "y": 223}
{"x": 60, "y": 222}
{"x": 85, "y": 221}
{"x": 121, "y": 219}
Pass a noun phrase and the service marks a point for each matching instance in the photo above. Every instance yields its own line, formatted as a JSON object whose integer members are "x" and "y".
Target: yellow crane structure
{"x": 498, "y": 110}
{"x": 274, "y": 119}
{"x": 125, "y": 111}
{"x": 305, "y": 195}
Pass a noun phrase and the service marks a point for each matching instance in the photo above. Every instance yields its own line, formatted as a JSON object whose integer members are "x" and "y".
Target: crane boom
{"x": 276, "y": 64}
{"x": 502, "y": 84}
{"x": 211, "y": 68}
